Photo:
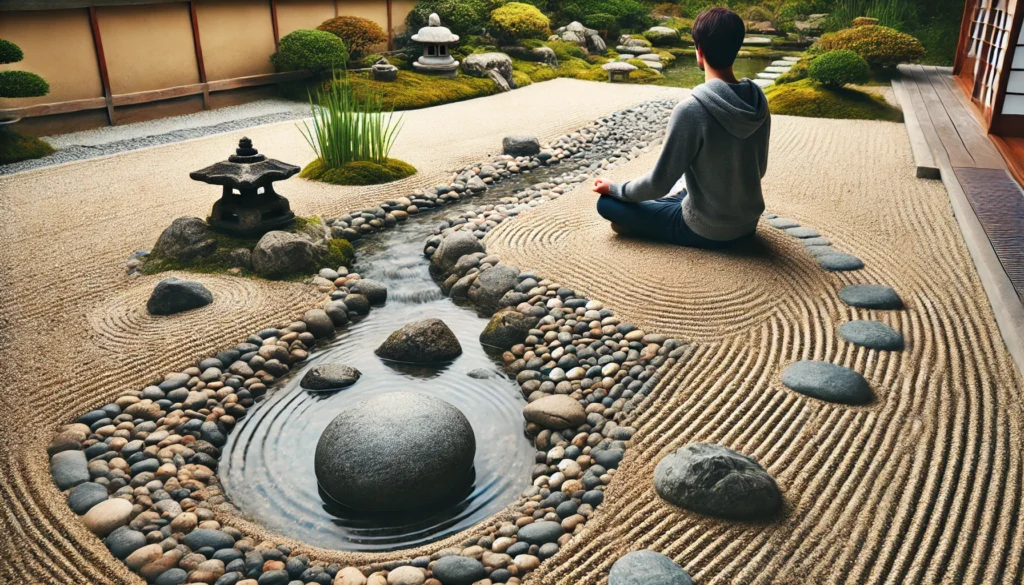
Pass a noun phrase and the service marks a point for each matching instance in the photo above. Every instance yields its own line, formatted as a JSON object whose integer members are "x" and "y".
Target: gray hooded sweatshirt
{"x": 719, "y": 140}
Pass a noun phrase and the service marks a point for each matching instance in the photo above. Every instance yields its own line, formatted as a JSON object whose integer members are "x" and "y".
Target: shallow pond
{"x": 685, "y": 73}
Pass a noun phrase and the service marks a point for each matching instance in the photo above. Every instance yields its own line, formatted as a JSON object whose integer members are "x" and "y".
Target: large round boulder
{"x": 646, "y": 567}
{"x": 279, "y": 254}
{"x": 174, "y": 295}
{"x": 429, "y": 341}
{"x": 186, "y": 239}
{"x": 506, "y": 328}
{"x": 662, "y": 36}
{"x": 394, "y": 452}
{"x": 454, "y": 246}
{"x": 490, "y": 285}
{"x": 717, "y": 481}
{"x": 520, "y": 145}
{"x": 557, "y": 411}
{"x": 478, "y": 64}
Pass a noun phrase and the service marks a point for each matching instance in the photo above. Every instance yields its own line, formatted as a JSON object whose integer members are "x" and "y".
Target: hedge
{"x": 839, "y": 68}
{"x": 880, "y": 46}
{"x": 312, "y": 50}
{"x": 515, "y": 21}
{"x": 359, "y": 34}
{"x": 22, "y": 84}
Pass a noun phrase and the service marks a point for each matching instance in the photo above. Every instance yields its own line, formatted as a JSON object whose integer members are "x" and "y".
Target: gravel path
{"x": 109, "y": 140}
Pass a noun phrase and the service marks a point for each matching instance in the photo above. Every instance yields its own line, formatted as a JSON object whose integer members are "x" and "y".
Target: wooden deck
{"x": 949, "y": 143}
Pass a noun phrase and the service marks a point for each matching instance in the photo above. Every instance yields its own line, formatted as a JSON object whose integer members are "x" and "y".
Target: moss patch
{"x": 808, "y": 99}
{"x": 359, "y": 172}
{"x": 16, "y": 147}
{"x": 339, "y": 253}
{"x": 415, "y": 90}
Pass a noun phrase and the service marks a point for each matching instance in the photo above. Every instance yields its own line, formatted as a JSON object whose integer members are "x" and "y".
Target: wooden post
{"x": 965, "y": 36}
{"x": 273, "y": 21}
{"x": 199, "y": 53}
{"x": 995, "y": 121}
{"x": 391, "y": 31}
{"x": 97, "y": 42}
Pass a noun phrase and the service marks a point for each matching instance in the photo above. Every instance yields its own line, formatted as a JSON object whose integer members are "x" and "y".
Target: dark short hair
{"x": 719, "y": 33}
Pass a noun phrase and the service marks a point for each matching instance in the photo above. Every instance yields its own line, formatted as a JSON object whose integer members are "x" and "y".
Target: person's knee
{"x": 607, "y": 206}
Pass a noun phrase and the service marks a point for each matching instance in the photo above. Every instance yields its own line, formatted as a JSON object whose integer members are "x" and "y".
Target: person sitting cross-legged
{"x": 717, "y": 140}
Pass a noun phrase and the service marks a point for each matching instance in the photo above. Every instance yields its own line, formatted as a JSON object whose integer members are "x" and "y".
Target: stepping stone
{"x": 840, "y": 262}
{"x": 783, "y": 223}
{"x": 827, "y": 382}
{"x": 772, "y": 76}
{"x": 762, "y": 83}
{"x": 871, "y": 296}
{"x": 777, "y": 69}
{"x": 818, "y": 241}
{"x": 757, "y": 41}
{"x": 782, "y": 63}
{"x": 802, "y": 232}
{"x": 769, "y": 215}
{"x": 646, "y": 567}
{"x": 872, "y": 335}
{"x": 820, "y": 250}
{"x": 791, "y": 59}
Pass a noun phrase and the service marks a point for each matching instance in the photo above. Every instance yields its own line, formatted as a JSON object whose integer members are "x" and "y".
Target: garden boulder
{"x": 279, "y": 254}
{"x": 646, "y": 567}
{"x": 662, "y": 36}
{"x": 507, "y": 328}
{"x": 490, "y": 285}
{"x": 452, "y": 247}
{"x": 717, "y": 481}
{"x": 396, "y": 451}
{"x": 424, "y": 342}
{"x": 520, "y": 145}
{"x": 174, "y": 295}
{"x": 186, "y": 239}
{"x": 478, "y": 64}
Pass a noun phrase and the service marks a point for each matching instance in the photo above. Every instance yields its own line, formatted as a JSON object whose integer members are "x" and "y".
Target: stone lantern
{"x": 436, "y": 59}
{"x": 248, "y": 206}
{"x": 618, "y": 71}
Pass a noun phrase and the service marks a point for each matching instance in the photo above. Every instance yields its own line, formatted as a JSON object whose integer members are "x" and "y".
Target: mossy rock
{"x": 358, "y": 172}
{"x": 809, "y": 99}
{"x": 15, "y": 147}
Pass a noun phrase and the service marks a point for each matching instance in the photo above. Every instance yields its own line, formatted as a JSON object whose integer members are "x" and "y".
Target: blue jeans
{"x": 660, "y": 219}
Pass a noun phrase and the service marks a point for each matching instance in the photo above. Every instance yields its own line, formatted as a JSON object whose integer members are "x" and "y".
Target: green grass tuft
{"x": 15, "y": 147}
{"x": 809, "y": 99}
{"x": 358, "y": 172}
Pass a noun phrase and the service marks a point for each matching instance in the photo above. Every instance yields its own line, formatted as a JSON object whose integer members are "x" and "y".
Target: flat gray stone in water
{"x": 872, "y": 334}
{"x": 818, "y": 241}
{"x": 717, "y": 481}
{"x": 840, "y": 262}
{"x": 646, "y": 567}
{"x": 871, "y": 296}
{"x": 783, "y": 223}
{"x": 330, "y": 377}
{"x": 802, "y": 232}
{"x": 827, "y": 382}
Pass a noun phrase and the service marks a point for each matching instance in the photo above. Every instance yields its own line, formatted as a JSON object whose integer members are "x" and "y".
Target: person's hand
{"x": 602, "y": 186}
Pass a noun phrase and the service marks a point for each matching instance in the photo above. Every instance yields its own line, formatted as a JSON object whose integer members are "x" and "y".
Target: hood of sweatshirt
{"x": 741, "y": 108}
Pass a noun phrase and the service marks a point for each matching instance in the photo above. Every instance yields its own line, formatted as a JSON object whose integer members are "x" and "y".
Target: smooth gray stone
{"x": 394, "y": 452}
{"x": 520, "y": 145}
{"x": 818, "y": 241}
{"x": 490, "y": 286}
{"x": 84, "y": 496}
{"x": 541, "y": 532}
{"x": 840, "y": 262}
{"x": 458, "y": 570}
{"x": 820, "y": 250}
{"x": 783, "y": 223}
{"x": 173, "y": 576}
{"x": 828, "y": 382}
{"x": 803, "y": 232}
{"x": 717, "y": 481}
{"x": 646, "y": 567}
{"x": 872, "y": 334}
{"x": 124, "y": 541}
{"x": 174, "y": 295}
{"x": 375, "y": 292}
{"x": 871, "y": 296}
{"x": 69, "y": 468}
{"x": 215, "y": 539}
{"x": 330, "y": 377}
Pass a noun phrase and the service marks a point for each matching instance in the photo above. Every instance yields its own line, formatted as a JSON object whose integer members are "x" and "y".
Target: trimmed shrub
{"x": 796, "y": 73}
{"x": 808, "y": 99}
{"x": 16, "y": 147}
{"x": 759, "y": 14}
{"x": 880, "y": 46}
{"x": 515, "y": 21}
{"x": 9, "y": 52}
{"x": 462, "y": 17}
{"x": 864, "y": 21}
{"x": 22, "y": 84}
{"x": 839, "y": 68}
{"x": 359, "y": 34}
{"x": 311, "y": 50}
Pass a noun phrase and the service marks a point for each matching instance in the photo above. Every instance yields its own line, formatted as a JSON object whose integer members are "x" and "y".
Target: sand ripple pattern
{"x": 66, "y": 314}
{"x": 921, "y": 486}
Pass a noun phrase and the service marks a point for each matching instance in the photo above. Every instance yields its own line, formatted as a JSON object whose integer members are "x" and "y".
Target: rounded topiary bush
{"x": 880, "y": 46}
{"x": 9, "y": 52}
{"x": 311, "y": 50}
{"x": 839, "y": 68}
{"x": 22, "y": 84}
{"x": 359, "y": 34}
{"x": 462, "y": 17}
{"x": 516, "y": 20}
{"x": 358, "y": 172}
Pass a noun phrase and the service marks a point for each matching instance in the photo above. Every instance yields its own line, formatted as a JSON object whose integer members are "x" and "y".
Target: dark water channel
{"x": 267, "y": 466}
